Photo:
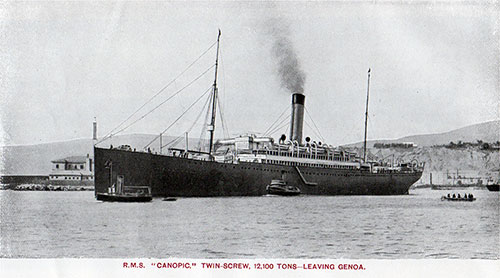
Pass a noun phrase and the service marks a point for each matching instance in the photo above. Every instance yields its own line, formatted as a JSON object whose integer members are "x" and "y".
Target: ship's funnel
{"x": 297, "y": 120}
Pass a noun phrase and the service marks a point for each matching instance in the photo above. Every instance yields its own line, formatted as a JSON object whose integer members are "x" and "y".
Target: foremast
{"x": 366, "y": 116}
{"x": 211, "y": 127}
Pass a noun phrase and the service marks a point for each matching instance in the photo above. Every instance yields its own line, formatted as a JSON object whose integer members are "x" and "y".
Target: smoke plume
{"x": 289, "y": 70}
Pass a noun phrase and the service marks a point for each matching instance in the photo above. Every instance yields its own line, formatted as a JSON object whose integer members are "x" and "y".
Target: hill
{"x": 35, "y": 159}
{"x": 487, "y": 132}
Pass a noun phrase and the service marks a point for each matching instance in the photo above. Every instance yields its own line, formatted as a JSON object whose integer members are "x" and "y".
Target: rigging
{"x": 112, "y": 132}
{"x": 158, "y": 106}
{"x": 280, "y": 125}
{"x": 287, "y": 108}
{"x": 221, "y": 113}
{"x": 178, "y": 118}
{"x": 176, "y": 140}
{"x": 319, "y": 132}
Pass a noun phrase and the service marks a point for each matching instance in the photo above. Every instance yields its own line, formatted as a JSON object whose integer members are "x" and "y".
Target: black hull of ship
{"x": 182, "y": 177}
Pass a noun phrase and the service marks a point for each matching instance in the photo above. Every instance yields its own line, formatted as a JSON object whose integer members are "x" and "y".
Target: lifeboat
{"x": 466, "y": 199}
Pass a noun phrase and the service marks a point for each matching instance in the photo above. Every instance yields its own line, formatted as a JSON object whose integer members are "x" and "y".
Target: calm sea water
{"x": 419, "y": 225}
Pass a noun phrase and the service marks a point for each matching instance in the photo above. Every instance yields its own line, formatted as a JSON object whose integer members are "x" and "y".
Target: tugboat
{"x": 129, "y": 194}
{"x": 279, "y": 187}
{"x": 121, "y": 193}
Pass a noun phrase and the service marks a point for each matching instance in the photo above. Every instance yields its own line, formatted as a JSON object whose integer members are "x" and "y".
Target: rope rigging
{"x": 319, "y": 132}
{"x": 315, "y": 133}
{"x": 279, "y": 128}
{"x": 277, "y": 119}
{"x": 177, "y": 139}
{"x": 178, "y": 118}
{"x": 205, "y": 124}
{"x": 280, "y": 125}
{"x": 224, "y": 126}
{"x": 156, "y": 107}
{"x": 212, "y": 98}
{"x": 111, "y": 133}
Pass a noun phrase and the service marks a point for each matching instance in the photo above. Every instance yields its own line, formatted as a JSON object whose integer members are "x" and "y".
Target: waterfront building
{"x": 73, "y": 168}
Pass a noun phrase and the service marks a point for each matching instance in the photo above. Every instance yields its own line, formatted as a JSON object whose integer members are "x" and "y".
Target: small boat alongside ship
{"x": 124, "y": 197}
{"x": 279, "y": 187}
{"x": 120, "y": 193}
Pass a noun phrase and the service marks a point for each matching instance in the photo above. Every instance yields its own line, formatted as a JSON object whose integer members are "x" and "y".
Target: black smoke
{"x": 292, "y": 77}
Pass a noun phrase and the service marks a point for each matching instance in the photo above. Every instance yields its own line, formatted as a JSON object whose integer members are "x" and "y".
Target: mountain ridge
{"x": 487, "y": 131}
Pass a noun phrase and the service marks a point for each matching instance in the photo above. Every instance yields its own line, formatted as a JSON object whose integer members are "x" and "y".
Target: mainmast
{"x": 211, "y": 127}
{"x": 366, "y": 115}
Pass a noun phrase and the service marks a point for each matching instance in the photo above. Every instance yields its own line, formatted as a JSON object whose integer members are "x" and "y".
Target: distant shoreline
{"x": 41, "y": 183}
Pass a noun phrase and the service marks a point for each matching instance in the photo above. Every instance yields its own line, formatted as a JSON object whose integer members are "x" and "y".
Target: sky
{"x": 434, "y": 67}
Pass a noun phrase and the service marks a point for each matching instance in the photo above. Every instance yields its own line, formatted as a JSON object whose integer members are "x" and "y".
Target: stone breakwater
{"x": 47, "y": 187}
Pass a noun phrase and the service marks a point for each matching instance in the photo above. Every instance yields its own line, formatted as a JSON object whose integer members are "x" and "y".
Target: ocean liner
{"x": 246, "y": 165}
